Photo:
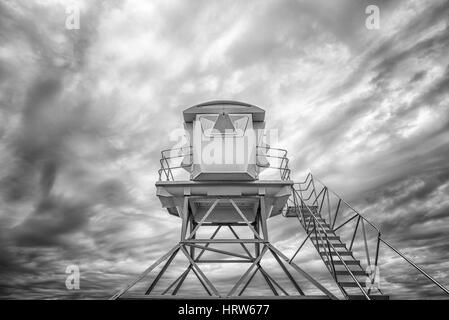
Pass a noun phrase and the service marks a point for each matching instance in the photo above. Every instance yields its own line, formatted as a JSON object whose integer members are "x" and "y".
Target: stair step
{"x": 336, "y": 245}
{"x": 291, "y": 211}
{"x": 323, "y": 240}
{"x": 318, "y": 226}
{"x": 308, "y": 216}
{"x": 343, "y": 253}
{"x": 312, "y": 208}
{"x": 321, "y": 224}
{"x": 352, "y": 284}
{"x": 323, "y": 244}
{"x": 354, "y": 272}
{"x": 372, "y": 297}
{"x": 348, "y": 262}
{"x": 321, "y": 230}
{"x": 328, "y": 237}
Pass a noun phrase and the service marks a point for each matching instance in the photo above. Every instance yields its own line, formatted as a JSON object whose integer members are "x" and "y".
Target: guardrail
{"x": 284, "y": 171}
{"x": 170, "y": 162}
{"x": 323, "y": 242}
{"x": 166, "y": 165}
{"x": 332, "y": 208}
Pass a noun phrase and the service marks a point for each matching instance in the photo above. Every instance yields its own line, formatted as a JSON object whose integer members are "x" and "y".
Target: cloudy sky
{"x": 84, "y": 114}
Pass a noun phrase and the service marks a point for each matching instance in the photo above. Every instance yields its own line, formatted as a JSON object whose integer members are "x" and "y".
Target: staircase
{"x": 346, "y": 270}
{"x": 321, "y": 213}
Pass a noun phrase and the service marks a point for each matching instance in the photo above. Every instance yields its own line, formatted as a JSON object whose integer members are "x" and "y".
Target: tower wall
{"x": 224, "y": 137}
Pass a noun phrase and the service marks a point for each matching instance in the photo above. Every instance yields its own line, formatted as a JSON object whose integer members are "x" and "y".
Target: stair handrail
{"x": 348, "y": 205}
{"x": 416, "y": 267}
{"x": 380, "y": 239}
{"x": 316, "y": 221}
{"x": 324, "y": 191}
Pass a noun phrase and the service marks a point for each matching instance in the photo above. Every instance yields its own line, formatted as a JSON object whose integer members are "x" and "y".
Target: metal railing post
{"x": 355, "y": 231}
{"x": 336, "y": 213}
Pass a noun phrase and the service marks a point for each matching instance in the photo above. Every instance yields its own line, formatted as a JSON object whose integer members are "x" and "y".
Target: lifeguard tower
{"x": 213, "y": 181}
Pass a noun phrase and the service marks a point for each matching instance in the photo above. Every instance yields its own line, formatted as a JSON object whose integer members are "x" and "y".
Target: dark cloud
{"x": 84, "y": 115}
{"x": 52, "y": 219}
{"x": 418, "y": 76}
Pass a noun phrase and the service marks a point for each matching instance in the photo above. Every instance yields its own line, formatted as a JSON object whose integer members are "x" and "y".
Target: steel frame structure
{"x": 322, "y": 213}
{"x": 190, "y": 243}
{"x": 318, "y": 209}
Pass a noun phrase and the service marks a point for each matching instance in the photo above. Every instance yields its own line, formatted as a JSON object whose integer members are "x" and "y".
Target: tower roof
{"x": 224, "y": 107}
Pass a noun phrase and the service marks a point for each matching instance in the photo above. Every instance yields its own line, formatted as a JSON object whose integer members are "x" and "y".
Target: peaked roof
{"x": 224, "y": 123}
{"x": 223, "y": 107}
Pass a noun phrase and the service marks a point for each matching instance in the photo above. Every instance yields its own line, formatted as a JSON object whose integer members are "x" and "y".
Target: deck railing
{"x": 171, "y": 161}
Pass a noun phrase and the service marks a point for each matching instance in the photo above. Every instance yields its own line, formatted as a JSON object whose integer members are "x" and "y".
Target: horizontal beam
{"x": 218, "y": 251}
{"x": 234, "y": 224}
{"x": 224, "y": 261}
{"x": 223, "y": 241}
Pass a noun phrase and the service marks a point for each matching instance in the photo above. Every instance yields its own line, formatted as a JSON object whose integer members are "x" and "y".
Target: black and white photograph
{"x": 224, "y": 156}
